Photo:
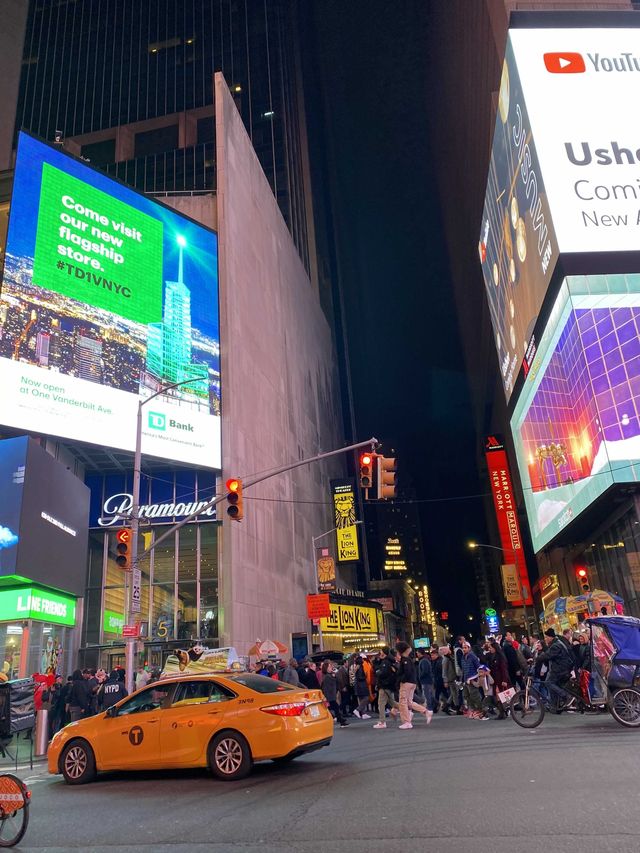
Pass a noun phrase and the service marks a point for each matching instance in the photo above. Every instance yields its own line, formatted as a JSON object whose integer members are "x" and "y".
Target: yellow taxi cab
{"x": 221, "y": 721}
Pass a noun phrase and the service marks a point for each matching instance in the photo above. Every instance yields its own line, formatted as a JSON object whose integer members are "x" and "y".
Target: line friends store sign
{"x": 350, "y": 618}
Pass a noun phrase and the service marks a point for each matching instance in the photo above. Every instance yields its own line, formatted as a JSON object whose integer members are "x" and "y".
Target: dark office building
{"x": 128, "y": 84}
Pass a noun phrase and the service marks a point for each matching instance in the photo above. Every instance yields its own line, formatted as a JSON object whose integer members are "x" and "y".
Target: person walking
{"x": 408, "y": 679}
{"x": 500, "y": 674}
{"x": 113, "y": 691}
{"x": 449, "y": 681}
{"x": 342, "y": 680}
{"x": 290, "y": 673}
{"x": 470, "y": 664}
{"x": 440, "y": 695}
{"x": 79, "y": 697}
{"x": 362, "y": 690}
{"x": 307, "y": 674}
{"x": 425, "y": 677}
{"x": 330, "y": 690}
{"x": 387, "y": 674}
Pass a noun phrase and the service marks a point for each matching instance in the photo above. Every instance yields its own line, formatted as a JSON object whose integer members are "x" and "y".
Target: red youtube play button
{"x": 564, "y": 63}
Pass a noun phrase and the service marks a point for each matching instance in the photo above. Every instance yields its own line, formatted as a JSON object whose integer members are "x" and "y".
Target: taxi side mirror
{"x": 112, "y": 711}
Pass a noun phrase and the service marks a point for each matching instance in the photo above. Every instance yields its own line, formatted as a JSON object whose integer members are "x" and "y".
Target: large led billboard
{"x": 564, "y": 172}
{"x": 107, "y": 297}
{"x": 576, "y": 424}
{"x": 44, "y": 515}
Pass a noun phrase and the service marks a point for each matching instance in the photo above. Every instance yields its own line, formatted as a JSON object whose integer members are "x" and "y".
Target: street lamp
{"x": 315, "y": 539}
{"x": 523, "y": 591}
{"x": 135, "y": 581}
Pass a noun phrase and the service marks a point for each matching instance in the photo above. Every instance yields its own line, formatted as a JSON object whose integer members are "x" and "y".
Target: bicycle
{"x": 529, "y": 705}
{"x": 14, "y": 809}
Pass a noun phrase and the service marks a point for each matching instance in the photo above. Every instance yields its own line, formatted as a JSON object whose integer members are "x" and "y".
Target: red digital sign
{"x": 506, "y": 512}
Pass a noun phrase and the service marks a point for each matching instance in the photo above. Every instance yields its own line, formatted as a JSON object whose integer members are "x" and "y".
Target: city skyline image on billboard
{"x": 576, "y": 425}
{"x": 107, "y": 297}
{"x": 517, "y": 247}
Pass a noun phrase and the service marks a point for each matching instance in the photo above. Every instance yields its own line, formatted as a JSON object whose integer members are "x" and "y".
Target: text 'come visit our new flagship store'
{"x": 108, "y": 298}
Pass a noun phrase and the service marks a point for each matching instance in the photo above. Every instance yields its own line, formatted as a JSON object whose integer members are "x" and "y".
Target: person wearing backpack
{"x": 386, "y": 678}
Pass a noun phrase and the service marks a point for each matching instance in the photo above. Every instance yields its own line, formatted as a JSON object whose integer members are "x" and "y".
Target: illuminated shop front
{"x": 354, "y": 624}
{"x": 179, "y": 596}
{"x": 36, "y": 631}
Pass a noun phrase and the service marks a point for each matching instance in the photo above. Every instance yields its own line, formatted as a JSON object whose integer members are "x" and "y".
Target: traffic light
{"x": 234, "y": 499}
{"x": 582, "y": 577}
{"x": 366, "y": 470}
{"x": 386, "y": 478}
{"x": 123, "y": 548}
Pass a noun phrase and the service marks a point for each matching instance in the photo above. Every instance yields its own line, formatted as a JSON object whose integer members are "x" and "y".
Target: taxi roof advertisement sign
{"x": 564, "y": 174}
{"x": 107, "y": 297}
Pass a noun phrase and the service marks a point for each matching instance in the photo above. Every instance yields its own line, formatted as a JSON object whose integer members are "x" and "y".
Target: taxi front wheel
{"x": 229, "y": 756}
{"x": 78, "y": 763}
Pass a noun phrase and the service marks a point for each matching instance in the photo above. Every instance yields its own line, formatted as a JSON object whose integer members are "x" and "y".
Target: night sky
{"x": 409, "y": 384}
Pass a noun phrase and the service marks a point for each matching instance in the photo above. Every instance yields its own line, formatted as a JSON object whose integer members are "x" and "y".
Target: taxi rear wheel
{"x": 78, "y": 763}
{"x": 229, "y": 756}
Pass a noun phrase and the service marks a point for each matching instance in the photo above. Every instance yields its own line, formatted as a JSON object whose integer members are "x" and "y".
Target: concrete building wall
{"x": 280, "y": 398}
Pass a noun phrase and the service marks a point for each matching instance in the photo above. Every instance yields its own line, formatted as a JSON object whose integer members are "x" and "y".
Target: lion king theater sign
{"x": 352, "y": 619}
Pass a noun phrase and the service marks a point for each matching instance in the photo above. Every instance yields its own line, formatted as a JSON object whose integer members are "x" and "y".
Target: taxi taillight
{"x": 285, "y": 709}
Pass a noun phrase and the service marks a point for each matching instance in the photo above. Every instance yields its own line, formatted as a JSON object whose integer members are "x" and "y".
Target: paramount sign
{"x": 118, "y": 508}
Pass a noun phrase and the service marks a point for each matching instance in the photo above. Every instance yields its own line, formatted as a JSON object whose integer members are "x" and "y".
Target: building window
{"x": 156, "y": 141}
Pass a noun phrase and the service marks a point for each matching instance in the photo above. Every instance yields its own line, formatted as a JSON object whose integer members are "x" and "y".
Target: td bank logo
{"x": 157, "y": 421}
{"x": 564, "y": 63}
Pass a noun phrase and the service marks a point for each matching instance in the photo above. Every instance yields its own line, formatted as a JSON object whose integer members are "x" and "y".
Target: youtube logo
{"x": 564, "y": 63}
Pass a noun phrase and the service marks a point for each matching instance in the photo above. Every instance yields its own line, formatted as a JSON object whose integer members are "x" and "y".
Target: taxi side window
{"x": 220, "y": 694}
{"x": 191, "y": 693}
{"x": 151, "y": 699}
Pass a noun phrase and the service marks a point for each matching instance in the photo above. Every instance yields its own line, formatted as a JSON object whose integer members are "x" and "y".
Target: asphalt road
{"x": 458, "y": 785}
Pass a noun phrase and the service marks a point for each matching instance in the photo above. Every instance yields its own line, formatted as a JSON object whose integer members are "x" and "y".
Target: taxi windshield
{"x": 262, "y": 684}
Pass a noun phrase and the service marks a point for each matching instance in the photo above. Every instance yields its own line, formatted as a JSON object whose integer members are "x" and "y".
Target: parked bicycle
{"x": 14, "y": 809}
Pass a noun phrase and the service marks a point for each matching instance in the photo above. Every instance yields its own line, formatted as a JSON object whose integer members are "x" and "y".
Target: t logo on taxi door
{"x": 136, "y": 736}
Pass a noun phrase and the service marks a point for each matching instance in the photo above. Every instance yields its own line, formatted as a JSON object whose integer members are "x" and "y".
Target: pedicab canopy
{"x": 625, "y": 634}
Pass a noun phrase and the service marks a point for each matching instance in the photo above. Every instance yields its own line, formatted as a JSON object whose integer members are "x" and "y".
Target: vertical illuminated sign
{"x": 344, "y": 507}
{"x": 506, "y": 512}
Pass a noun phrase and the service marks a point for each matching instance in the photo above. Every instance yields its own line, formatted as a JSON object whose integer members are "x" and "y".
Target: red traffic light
{"x": 235, "y": 509}
{"x": 365, "y": 459}
{"x": 581, "y": 573}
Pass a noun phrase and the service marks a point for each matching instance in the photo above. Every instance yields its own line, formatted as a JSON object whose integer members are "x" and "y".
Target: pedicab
{"x": 614, "y": 680}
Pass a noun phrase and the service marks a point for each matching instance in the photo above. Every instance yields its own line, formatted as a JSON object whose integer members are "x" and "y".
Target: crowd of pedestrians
{"x": 476, "y": 681}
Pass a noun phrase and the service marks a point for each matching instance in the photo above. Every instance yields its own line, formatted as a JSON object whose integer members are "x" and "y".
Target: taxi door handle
{"x": 213, "y": 712}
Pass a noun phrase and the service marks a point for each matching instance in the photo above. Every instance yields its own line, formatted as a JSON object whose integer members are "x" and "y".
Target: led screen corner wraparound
{"x": 564, "y": 175}
{"x": 576, "y": 425}
{"x": 107, "y": 296}
{"x": 517, "y": 247}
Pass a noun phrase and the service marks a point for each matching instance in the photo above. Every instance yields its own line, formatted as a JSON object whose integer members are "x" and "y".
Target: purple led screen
{"x": 590, "y": 392}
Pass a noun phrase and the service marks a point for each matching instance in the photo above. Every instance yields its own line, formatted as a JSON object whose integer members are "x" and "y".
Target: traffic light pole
{"x": 130, "y": 583}
{"x": 252, "y": 481}
{"x": 132, "y": 580}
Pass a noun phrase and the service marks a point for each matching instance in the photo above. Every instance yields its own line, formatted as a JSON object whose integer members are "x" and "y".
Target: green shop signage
{"x": 33, "y": 603}
{"x": 112, "y": 622}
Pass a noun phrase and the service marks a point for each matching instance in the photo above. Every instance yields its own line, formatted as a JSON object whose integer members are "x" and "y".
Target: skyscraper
{"x": 88, "y": 357}
{"x": 129, "y": 86}
{"x": 169, "y": 343}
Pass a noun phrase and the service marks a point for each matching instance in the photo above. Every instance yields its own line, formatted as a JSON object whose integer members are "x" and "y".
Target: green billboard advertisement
{"x": 93, "y": 247}
{"x": 31, "y": 602}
